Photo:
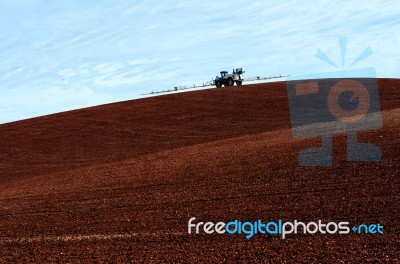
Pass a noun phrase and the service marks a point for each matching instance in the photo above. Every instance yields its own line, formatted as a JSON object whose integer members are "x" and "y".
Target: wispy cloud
{"x": 62, "y": 55}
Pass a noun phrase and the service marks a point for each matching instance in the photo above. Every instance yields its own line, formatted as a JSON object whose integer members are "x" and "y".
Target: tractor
{"x": 227, "y": 79}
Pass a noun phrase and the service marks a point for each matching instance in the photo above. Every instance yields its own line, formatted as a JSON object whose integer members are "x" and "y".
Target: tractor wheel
{"x": 229, "y": 82}
{"x": 218, "y": 84}
{"x": 239, "y": 82}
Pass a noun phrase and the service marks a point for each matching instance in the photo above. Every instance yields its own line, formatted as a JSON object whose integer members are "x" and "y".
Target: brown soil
{"x": 119, "y": 182}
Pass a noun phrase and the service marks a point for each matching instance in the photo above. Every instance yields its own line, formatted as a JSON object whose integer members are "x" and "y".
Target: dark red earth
{"x": 118, "y": 183}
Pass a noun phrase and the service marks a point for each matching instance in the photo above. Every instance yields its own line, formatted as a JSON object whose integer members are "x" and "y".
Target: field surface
{"x": 118, "y": 183}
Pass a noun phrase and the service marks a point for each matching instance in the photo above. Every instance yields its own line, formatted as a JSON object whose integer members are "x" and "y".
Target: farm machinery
{"x": 226, "y": 79}
{"x": 229, "y": 79}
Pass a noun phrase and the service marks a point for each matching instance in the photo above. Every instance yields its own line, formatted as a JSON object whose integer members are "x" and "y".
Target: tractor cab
{"x": 223, "y": 74}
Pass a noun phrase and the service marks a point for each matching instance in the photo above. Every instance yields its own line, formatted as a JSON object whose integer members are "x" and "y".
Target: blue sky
{"x": 68, "y": 54}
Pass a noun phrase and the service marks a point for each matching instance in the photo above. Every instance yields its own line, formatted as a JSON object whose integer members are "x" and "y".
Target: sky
{"x": 68, "y": 54}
